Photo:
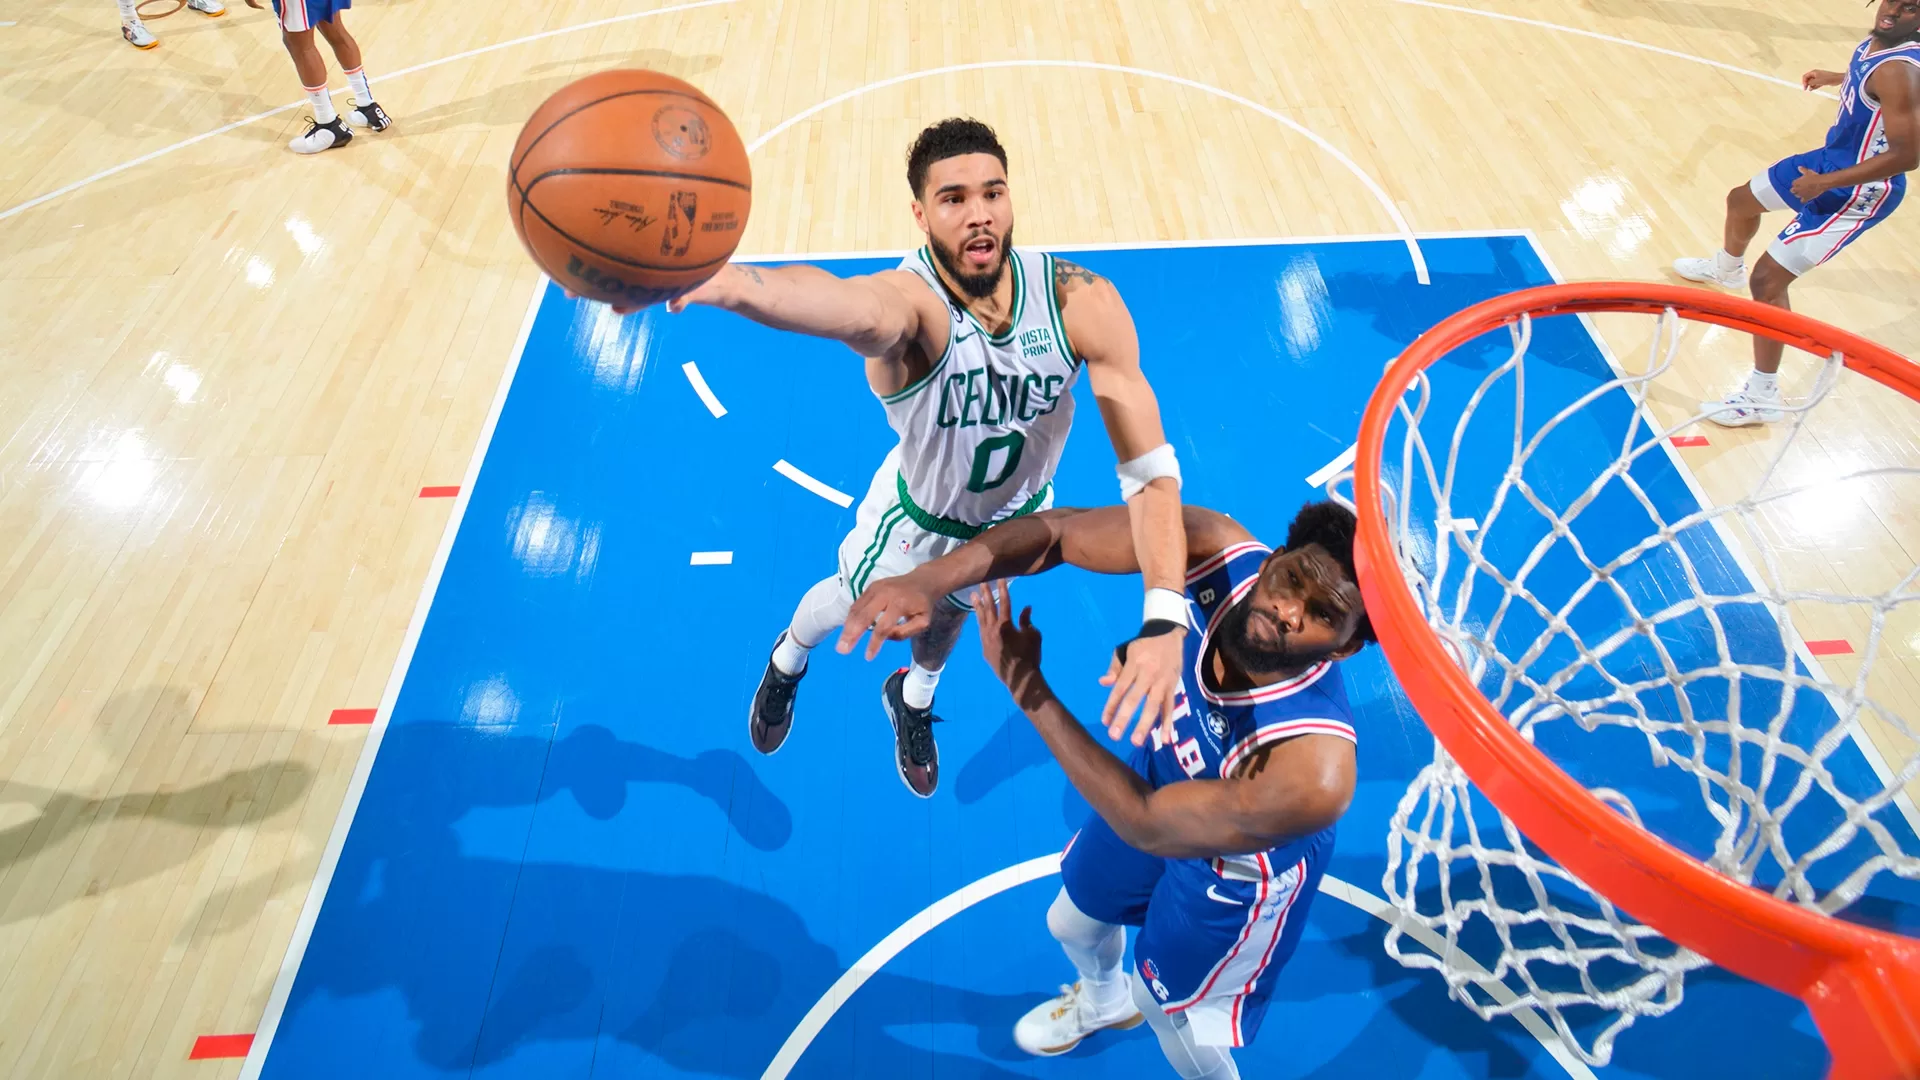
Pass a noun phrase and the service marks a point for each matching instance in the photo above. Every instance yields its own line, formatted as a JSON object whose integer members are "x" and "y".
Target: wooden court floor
{"x": 227, "y": 372}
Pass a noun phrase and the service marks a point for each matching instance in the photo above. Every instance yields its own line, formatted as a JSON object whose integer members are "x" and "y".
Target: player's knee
{"x": 1067, "y": 923}
{"x": 1769, "y": 282}
{"x": 1737, "y": 198}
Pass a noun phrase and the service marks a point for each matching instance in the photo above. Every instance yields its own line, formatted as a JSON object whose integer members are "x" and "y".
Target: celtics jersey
{"x": 981, "y": 433}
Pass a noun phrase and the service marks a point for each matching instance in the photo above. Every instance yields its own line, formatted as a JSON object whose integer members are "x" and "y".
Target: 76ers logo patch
{"x": 1153, "y": 980}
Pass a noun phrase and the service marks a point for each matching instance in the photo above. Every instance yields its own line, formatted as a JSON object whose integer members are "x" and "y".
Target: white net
{"x": 1644, "y": 639}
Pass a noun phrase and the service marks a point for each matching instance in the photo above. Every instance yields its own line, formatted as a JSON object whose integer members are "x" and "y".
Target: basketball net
{"x": 1530, "y": 647}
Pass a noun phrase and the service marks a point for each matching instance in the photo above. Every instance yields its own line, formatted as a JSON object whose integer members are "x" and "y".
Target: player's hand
{"x": 715, "y": 290}
{"x": 1147, "y": 682}
{"x": 1810, "y": 185}
{"x": 1013, "y": 651}
{"x": 895, "y": 609}
{"x": 1817, "y": 78}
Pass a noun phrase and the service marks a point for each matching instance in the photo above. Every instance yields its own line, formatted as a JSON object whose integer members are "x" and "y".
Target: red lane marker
{"x": 220, "y": 1046}
{"x": 1830, "y": 647}
{"x": 446, "y": 492}
{"x": 351, "y": 716}
{"x": 1688, "y": 440}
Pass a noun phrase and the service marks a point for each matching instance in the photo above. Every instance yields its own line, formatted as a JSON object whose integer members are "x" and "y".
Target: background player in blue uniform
{"x": 1837, "y": 192}
{"x": 298, "y": 20}
{"x": 1213, "y": 839}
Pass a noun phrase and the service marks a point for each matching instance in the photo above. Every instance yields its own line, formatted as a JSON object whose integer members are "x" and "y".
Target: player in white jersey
{"x": 973, "y": 348}
{"x": 1836, "y": 193}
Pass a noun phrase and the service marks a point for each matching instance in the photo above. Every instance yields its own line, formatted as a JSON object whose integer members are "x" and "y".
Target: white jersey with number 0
{"x": 981, "y": 433}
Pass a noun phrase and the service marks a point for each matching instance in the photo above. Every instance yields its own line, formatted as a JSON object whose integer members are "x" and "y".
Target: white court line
{"x": 1334, "y": 468}
{"x": 357, "y": 787}
{"x": 1727, "y": 540}
{"x": 1406, "y": 232}
{"x": 1610, "y": 39}
{"x": 831, "y": 494}
{"x": 712, "y": 558}
{"x": 700, "y": 387}
{"x": 256, "y": 117}
{"x": 1019, "y": 874}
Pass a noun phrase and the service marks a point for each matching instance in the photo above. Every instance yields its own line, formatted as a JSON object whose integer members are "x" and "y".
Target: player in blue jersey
{"x": 325, "y": 130}
{"x": 1836, "y": 193}
{"x": 1213, "y": 838}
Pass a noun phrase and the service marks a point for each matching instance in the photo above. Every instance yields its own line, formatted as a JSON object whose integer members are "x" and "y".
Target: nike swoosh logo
{"x": 1211, "y": 895}
{"x": 962, "y": 337}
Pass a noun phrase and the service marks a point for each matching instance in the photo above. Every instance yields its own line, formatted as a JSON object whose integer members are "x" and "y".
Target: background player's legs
{"x": 365, "y": 113}
{"x": 133, "y": 29}
{"x": 326, "y": 131}
{"x": 1188, "y": 1058}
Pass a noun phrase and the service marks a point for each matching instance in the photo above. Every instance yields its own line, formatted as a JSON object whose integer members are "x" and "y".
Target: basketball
{"x": 630, "y": 187}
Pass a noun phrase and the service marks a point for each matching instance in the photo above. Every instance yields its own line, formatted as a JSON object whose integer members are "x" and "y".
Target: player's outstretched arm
{"x": 1101, "y": 332}
{"x": 1290, "y": 789}
{"x": 876, "y": 315}
{"x": 1101, "y": 540}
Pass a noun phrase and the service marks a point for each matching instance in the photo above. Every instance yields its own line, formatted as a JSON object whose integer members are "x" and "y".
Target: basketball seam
{"x": 610, "y": 171}
{"x": 513, "y": 172}
{"x": 529, "y": 204}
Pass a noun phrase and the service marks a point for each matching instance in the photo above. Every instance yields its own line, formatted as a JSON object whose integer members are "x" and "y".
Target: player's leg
{"x": 1189, "y": 1059}
{"x": 1727, "y": 267}
{"x": 907, "y": 697}
{"x": 132, "y": 29}
{"x": 363, "y": 112}
{"x": 820, "y": 612}
{"x": 1820, "y": 231}
{"x": 324, "y": 131}
{"x": 1105, "y": 885}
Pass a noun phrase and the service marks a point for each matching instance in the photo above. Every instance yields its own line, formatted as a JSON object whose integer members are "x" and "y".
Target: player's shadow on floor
{"x": 620, "y": 966}
{"x": 1009, "y": 751}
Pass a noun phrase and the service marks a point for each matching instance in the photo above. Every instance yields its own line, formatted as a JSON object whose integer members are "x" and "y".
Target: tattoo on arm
{"x": 752, "y": 273}
{"x": 1068, "y": 275}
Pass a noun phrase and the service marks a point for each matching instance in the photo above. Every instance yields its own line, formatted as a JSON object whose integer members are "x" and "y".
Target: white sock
{"x": 821, "y": 611}
{"x": 1763, "y": 384}
{"x": 1726, "y": 263}
{"x": 1096, "y": 949}
{"x": 1188, "y": 1058}
{"x": 920, "y": 686}
{"x": 362, "y": 88}
{"x": 129, "y": 13}
{"x": 322, "y": 103}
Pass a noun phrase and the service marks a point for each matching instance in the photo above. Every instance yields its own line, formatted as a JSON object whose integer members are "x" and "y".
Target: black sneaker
{"x": 328, "y": 136}
{"x": 913, "y": 747}
{"x": 370, "y": 116}
{"x": 772, "y": 714}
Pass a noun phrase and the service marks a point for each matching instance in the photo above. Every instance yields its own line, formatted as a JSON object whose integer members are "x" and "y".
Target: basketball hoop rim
{"x": 1849, "y": 975}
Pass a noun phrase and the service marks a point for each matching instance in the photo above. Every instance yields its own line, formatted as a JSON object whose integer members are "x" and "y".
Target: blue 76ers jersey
{"x": 1214, "y": 733}
{"x": 1860, "y": 132}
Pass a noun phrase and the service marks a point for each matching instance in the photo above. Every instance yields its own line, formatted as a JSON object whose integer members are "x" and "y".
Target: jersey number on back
{"x": 1013, "y": 442}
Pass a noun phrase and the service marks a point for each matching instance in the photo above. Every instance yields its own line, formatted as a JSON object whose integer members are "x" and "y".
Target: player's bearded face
{"x": 963, "y": 262}
{"x": 1896, "y": 21}
{"x": 1318, "y": 604}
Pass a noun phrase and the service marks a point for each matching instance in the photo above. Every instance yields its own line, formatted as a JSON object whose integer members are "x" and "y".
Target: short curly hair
{"x": 951, "y": 137}
{"x": 1332, "y": 526}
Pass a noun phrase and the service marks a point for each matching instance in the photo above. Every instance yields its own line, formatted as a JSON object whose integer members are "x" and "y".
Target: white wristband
{"x": 1164, "y": 604}
{"x": 1153, "y": 465}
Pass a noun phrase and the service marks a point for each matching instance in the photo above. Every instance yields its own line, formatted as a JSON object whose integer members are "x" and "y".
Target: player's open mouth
{"x": 980, "y": 250}
{"x": 1886, "y": 24}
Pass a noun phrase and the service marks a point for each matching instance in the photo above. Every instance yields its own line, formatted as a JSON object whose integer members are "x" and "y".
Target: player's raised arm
{"x": 1285, "y": 790}
{"x": 1099, "y": 540}
{"x": 1100, "y": 329}
{"x": 875, "y": 315}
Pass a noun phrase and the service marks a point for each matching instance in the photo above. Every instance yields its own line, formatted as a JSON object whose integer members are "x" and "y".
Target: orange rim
{"x": 143, "y": 5}
{"x": 1862, "y": 985}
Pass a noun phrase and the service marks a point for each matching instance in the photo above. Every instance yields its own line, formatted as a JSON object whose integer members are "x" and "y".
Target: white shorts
{"x": 1830, "y": 222}
{"x": 885, "y": 541}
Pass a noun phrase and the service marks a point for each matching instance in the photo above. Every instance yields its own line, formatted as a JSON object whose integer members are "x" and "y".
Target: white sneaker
{"x": 138, "y": 35}
{"x": 320, "y": 137}
{"x": 1744, "y": 408}
{"x": 1707, "y": 272}
{"x": 212, "y": 9}
{"x": 1057, "y": 1026}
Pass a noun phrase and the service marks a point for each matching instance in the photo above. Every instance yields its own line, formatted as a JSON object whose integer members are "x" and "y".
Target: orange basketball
{"x": 630, "y": 187}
